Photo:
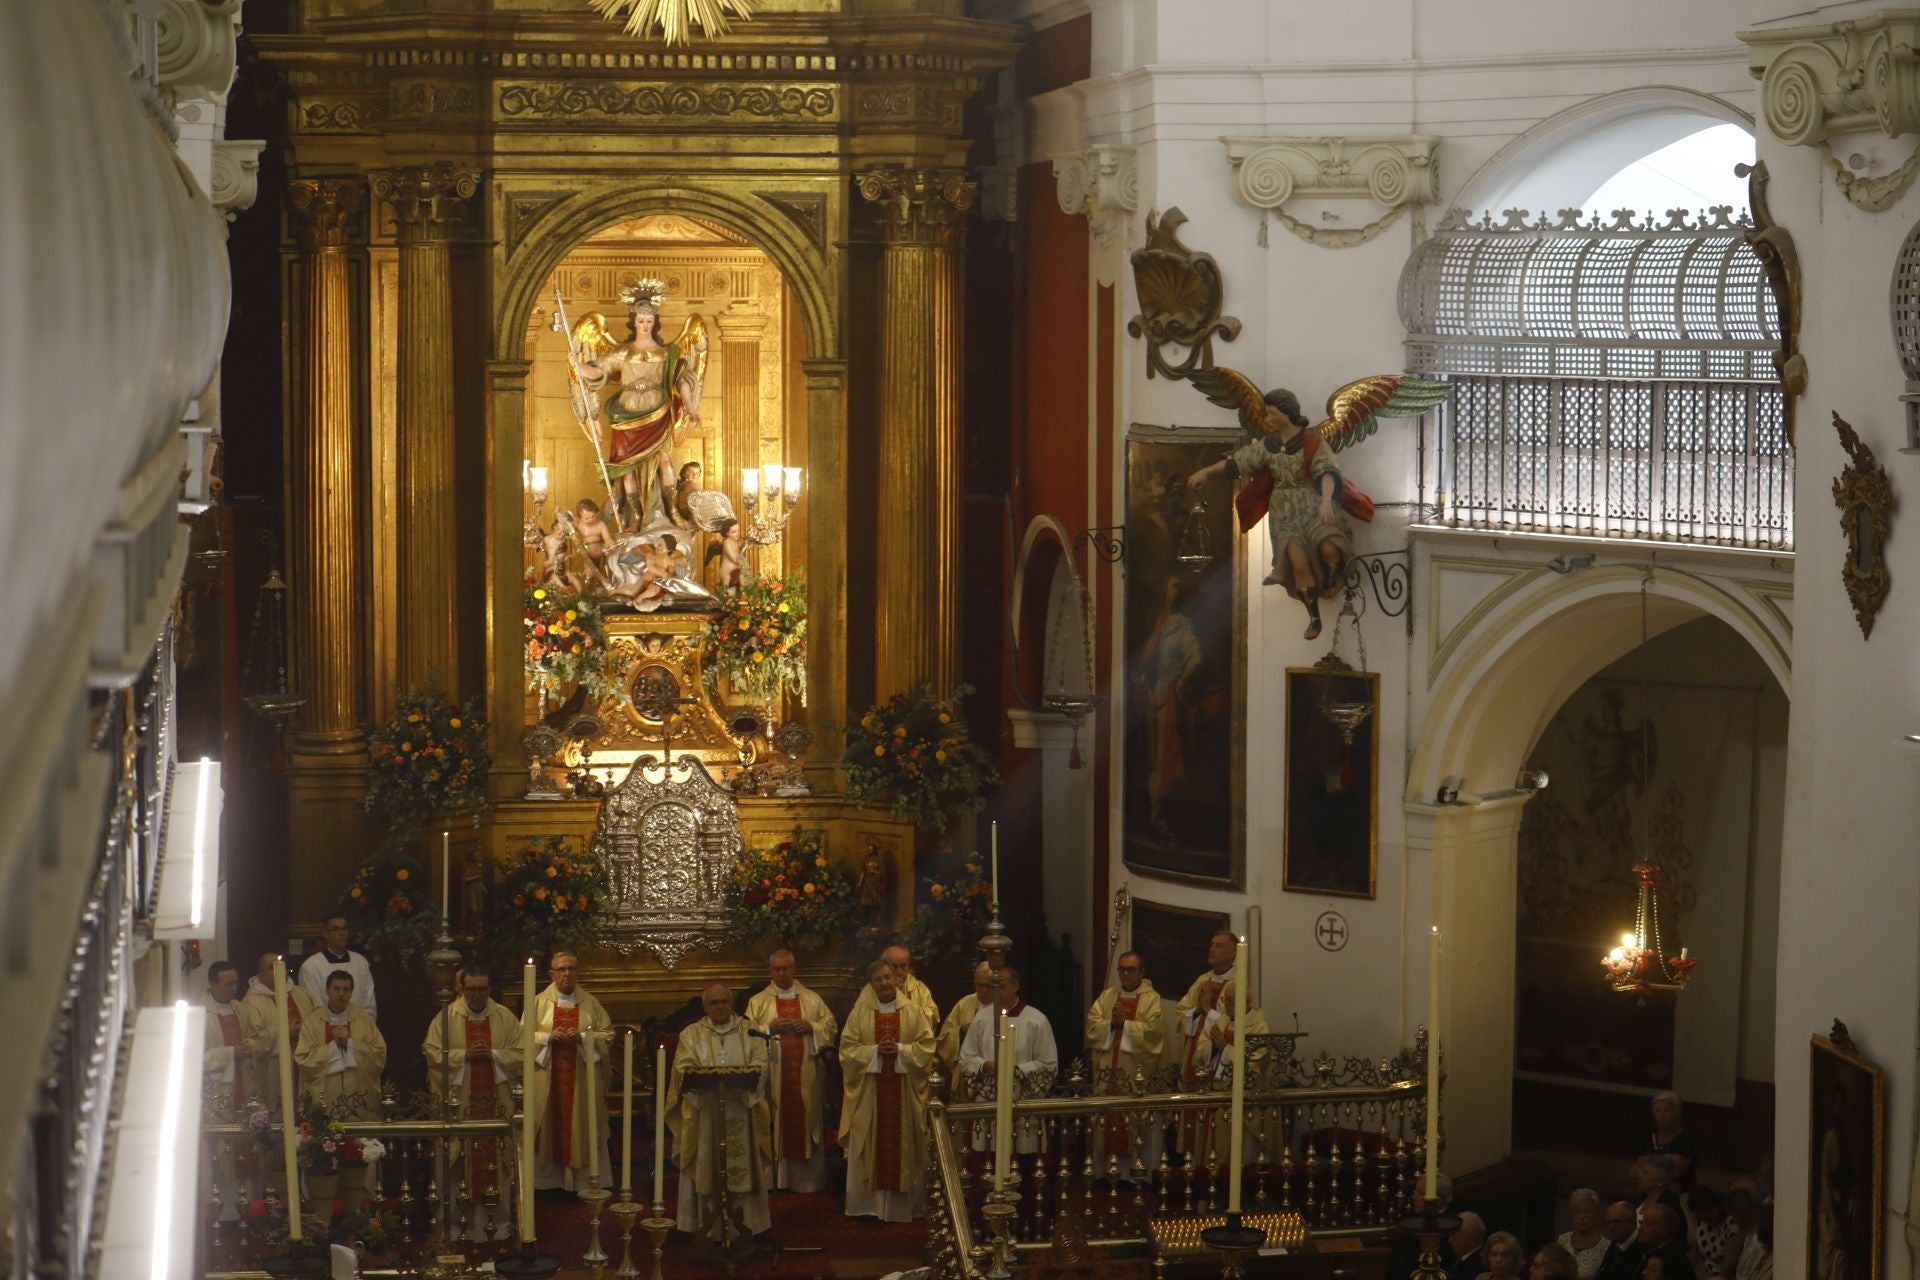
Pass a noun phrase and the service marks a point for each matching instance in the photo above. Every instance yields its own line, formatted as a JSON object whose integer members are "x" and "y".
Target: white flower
{"x": 372, "y": 1149}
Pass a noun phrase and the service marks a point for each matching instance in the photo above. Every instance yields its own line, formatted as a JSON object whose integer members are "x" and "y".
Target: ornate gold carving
{"x": 919, "y": 206}
{"x": 603, "y": 100}
{"x": 1396, "y": 172}
{"x": 807, "y": 210}
{"x": 435, "y": 100}
{"x": 1865, "y": 498}
{"x": 425, "y": 198}
{"x": 1181, "y": 295}
{"x": 1773, "y": 245}
{"x": 643, "y": 643}
{"x": 346, "y": 115}
{"x": 322, "y": 209}
{"x": 524, "y": 209}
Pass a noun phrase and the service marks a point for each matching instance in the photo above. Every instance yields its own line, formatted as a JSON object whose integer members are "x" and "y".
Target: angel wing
{"x": 1231, "y": 389}
{"x": 711, "y": 509}
{"x": 590, "y": 336}
{"x": 1354, "y": 409}
{"x": 692, "y": 345}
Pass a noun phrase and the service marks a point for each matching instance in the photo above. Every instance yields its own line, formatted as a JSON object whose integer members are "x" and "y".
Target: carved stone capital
{"x": 322, "y": 208}
{"x": 1104, "y": 184}
{"x": 426, "y": 199}
{"x": 1838, "y": 77}
{"x": 740, "y": 325}
{"x": 919, "y": 206}
{"x": 196, "y": 46}
{"x": 1393, "y": 172}
{"x": 236, "y": 174}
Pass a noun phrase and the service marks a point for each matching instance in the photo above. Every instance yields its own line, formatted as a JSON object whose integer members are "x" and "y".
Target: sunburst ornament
{"x": 675, "y": 19}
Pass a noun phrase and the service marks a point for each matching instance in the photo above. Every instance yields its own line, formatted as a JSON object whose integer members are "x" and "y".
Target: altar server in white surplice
{"x": 803, "y": 1029}
{"x": 720, "y": 1040}
{"x": 1036, "y": 1061}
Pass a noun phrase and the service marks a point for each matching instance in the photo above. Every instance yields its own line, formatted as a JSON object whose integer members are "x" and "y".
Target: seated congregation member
{"x": 1670, "y": 1138}
{"x": 959, "y": 1018}
{"x": 804, "y": 1030}
{"x": 886, "y": 1054}
{"x": 341, "y": 1055}
{"x": 1553, "y": 1262}
{"x": 474, "y": 1053}
{"x": 720, "y": 1040}
{"x": 1658, "y": 1249}
{"x": 1127, "y": 1039}
{"x": 566, "y": 1119}
{"x": 1586, "y": 1242}
{"x": 1469, "y": 1241}
{"x": 1036, "y": 1060}
{"x": 1707, "y": 1214}
{"x": 1740, "y": 1257}
{"x": 1505, "y": 1258}
{"x": 256, "y": 1013}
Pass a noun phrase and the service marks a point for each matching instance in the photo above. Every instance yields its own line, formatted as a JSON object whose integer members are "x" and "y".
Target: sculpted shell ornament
{"x": 576, "y": 100}
{"x": 1181, "y": 294}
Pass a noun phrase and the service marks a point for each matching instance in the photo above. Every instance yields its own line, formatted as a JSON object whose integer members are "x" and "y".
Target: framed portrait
{"x": 1173, "y": 943}
{"x": 1184, "y": 734}
{"x": 1844, "y": 1160}
{"x": 1332, "y": 808}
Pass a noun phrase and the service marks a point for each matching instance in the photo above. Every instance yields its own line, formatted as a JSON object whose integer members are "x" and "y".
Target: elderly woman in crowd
{"x": 1506, "y": 1260}
{"x": 1585, "y": 1242}
{"x": 1653, "y": 1177}
{"x": 1669, "y": 1139}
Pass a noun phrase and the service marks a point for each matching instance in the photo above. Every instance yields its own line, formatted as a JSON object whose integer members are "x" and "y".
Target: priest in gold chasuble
{"x": 886, "y": 1052}
{"x": 1212, "y": 1056}
{"x": 803, "y": 1029}
{"x": 475, "y": 1053}
{"x": 720, "y": 1040}
{"x": 959, "y": 1018}
{"x": 257, "y": 1016}
{"x": 565, "y": 1119}
{"x": 341, "y": 1055}
{"x": 1127, "y": 1036}
{"x": 906, "y": 987}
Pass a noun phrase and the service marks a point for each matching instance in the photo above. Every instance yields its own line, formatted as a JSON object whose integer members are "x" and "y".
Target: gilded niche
{"x": 543, "y": 100}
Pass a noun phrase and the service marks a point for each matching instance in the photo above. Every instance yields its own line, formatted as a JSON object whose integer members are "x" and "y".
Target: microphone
{"x": 758, "y": 1034}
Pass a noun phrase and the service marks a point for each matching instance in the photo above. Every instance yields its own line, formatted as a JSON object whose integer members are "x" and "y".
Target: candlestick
{"x": 526, "y": 1115}
{"x": 593, "y": 1098}
{"x": 659, "y": 1127}
{"x": 289, "y": 1134}
{"x": 626, "y": 1127}
{"x": 446, "y": 841}
{"x": 1003, "y": 1105}
{"x": 1254, "y": 974}
{"x": 1433, "y": 1068}
{"x": 1236, "y": 1132}
{"x": 994, "y": 827}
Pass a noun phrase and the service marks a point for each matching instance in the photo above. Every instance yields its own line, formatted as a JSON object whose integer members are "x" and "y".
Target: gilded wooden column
{"x": 739, "y": 398}
{"x": 917, "y": 634}
{"x": 323, "y": 516}
{"x": 426, "y": 201}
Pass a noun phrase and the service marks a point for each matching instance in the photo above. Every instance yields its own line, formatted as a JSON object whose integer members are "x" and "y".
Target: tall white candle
{"x": 529, "y": 1024}
{"x": 1433, "y": 1068}
{"x": 1236, "y": 1131}
{"x": 289, "y": 1135}
{"x": 1003, "y": 1105}
{"x": 659, "y": 1126}
{"x": 593, "y": 1099}
{"x": 994, "y": 828}
{"x": 626, "y": 1125}
{"x": 446, "y": 843}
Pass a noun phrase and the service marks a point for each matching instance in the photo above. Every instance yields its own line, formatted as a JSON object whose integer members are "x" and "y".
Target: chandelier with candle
{"x": 770, "y": 495}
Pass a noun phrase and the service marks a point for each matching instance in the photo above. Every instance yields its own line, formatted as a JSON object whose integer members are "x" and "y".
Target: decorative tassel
{"x": 1073, "y": 757}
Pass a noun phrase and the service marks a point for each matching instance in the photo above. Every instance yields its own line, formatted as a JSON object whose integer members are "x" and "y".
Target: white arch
{"x": 1554, "y": 164}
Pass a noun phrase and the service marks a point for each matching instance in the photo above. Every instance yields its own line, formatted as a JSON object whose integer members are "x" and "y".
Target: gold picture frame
{"x": 1846, "y": 1135}
{"x": 1330, "y": 838}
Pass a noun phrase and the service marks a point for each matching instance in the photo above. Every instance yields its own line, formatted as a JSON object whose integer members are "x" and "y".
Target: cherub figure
{"x": 726, "y": 547}
{"x": 691, "y": 474}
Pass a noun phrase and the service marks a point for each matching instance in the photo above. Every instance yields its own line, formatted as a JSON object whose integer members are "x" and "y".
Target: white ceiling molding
{"x": 1395, "y": 172}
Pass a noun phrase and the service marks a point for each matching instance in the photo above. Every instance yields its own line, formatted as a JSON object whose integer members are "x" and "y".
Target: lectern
{"x": 723, "y": 1238}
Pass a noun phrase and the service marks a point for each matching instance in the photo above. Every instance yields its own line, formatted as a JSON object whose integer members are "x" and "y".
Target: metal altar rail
{"x": 1339, "y": 1143}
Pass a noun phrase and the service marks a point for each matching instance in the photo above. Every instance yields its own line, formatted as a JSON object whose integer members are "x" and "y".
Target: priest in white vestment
{"x": 227, "y": 1061}
{"x": 341, "y": 1055}
{"x": 1213, "y": 1055}
{"x": 336, "y": 954}
{"x": 906, "y": 987}
{"x": 473, "y": 1055}
{"x": 720, "y": 1040}
{"x": 1036, "y": 1060}
{"x": 959, "y": 1018}
{"x": 565, "y": 1119}
{"x": 1220, "y": 952}
{"x": 886, "y": 1053}
{"x": 1127, "y": 1041}
{"x": 257, "y": 1016}
{"x": 803, "y": 1029}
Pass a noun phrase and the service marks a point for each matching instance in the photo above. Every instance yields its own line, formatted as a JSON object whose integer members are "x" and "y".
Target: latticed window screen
{"x": 1611, "y": 382}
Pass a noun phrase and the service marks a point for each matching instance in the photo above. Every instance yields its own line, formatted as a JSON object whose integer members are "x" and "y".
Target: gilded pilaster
{"x": 427, "y": 202}
{"x": 740, "y": 401}
{"x": 917, "y": 633}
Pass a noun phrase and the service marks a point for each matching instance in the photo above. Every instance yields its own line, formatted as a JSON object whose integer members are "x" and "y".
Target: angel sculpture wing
{"x": 711, "y": 509}
{"x": 691, "y": 343}
{"x": 590, "y": 336}
{"x": 1231, "y": 389}
{"x": 1354, "y": 411}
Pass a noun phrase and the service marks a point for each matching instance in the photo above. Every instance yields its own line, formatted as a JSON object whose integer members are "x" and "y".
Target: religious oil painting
{"x": 1186, "y": 661}
{"x": 1844, "y": 1160}
{"x": 1173, "y": 942}
{"x": 1332, "y": 771}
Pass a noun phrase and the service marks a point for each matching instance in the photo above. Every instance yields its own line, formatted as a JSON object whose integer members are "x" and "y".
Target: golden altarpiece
{"x": 452, "y": 167}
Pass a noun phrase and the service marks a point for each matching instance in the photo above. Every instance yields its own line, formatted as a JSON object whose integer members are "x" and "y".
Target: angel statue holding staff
{"x": 1293, "y": 481}
{"x": 659, "y": 396}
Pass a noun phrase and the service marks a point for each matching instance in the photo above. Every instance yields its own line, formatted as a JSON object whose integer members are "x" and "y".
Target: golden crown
{"x": 648, "y": 293}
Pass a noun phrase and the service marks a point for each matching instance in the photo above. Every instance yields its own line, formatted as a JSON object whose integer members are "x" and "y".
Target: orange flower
{"x": 540, "y": 894}
{"x": 401, "y": 874}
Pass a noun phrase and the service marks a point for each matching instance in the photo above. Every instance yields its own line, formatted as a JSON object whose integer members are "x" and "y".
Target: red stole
{"x": 482, "y": 1102}
{"x": 1118, "y": 1141}
{"x": 230, "y": 1036}
{"x": 293, "y": 1023}
{"x": 888, "y": 1103}
{"x": 793, "y": 1094}
{"x": 565, "y": 1057}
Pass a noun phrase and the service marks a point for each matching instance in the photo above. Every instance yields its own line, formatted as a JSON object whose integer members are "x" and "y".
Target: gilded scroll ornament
{"x": 1865, "y": 498}
{"x": 1181, "y": 295}
{"x": 1773, "y": 245}
{"x": 591, "y": 100}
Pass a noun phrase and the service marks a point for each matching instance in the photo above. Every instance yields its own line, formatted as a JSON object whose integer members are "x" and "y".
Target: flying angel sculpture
{"x": 1293, "y": 481}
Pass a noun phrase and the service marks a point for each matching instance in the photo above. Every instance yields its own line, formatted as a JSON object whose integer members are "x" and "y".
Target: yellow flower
{"x": 540, "y": 593}
{"x": 945, "y": 718}
{"x": 784, "y": 608}
{"x": 879, "y": 751}
{"x": 571, "y": 615}
{"x": 540, "y": 894}
{"x": 759, "y": 656}
{"x": 401, "y": 874}
{"x": 808, "y": 888}
{"x": 453, "y": 722}
{"x": 414, "y": 718}
{"x": 552, "y": 872}
{"x": 819, "y": 862}
{"x": 939, "y": 755}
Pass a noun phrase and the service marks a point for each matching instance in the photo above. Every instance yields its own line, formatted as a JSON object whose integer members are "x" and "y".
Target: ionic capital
{"x": 322, "y": 208}
{"x": 426, "y": 199}
{"x": 919, "y": 206}
{"x": 1104, "y": 184}
{"x": 1839, "y": 77}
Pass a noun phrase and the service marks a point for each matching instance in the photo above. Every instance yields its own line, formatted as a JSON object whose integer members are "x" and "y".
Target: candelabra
{"x": 771, "y": 495}
{"x": 535, "y": 479}
{"x": 626, "y": 1211}
{"x": 656, "y": 1228}
{"x": 596, "y": 1197}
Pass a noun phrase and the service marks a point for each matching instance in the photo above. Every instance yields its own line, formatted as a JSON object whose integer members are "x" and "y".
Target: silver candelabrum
{"x": 771, "y": 495}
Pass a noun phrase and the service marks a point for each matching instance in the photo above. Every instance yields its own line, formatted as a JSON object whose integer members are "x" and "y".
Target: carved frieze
{"x": 611, "y": 100}
{"x": 341, "y": 115}
{"x": 439, "y": 101}
{"x": 1395, "y": 173}
{"x": 1104, "y": 184}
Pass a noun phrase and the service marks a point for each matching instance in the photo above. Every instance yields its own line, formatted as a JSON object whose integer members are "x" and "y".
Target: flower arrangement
{"x": 952, "y": 911}
{"x": 758, "y": 639}
{"x": 390, "y": 909}
{"x": 566, "y": 640}
{"x": 913, "y": 752}
{"x": 547, "y": 897}
{"x": 324, "y": 1147}
{"x": 791, "y": 894}
{"x": 430, "y": 758}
